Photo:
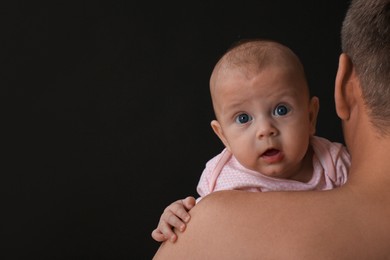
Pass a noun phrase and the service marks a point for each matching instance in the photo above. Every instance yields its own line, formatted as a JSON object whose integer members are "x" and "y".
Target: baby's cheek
{"x": 245, "y": 154}
{"x": 299, "y": 148}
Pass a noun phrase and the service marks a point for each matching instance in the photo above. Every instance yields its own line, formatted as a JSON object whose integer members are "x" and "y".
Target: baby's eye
{"x": 281, "y": 110}
{"x": 243, "y": 118}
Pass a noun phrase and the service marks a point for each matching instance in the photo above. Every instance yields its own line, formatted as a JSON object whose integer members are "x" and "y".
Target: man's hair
{"x": 365, "y": 38}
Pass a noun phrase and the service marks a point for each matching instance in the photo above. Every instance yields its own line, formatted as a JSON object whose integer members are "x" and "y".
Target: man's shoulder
{"x": 284, "y": 225}
{"x": 303, "y": 225}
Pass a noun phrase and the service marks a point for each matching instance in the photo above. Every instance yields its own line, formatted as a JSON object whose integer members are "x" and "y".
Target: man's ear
{"x": 345, "y": 87}
{"x": 313, "y": 113}
{"x": 219, "y": 132}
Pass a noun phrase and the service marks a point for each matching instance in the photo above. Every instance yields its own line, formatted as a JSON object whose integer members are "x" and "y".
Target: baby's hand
{"x": 174, "y": 216}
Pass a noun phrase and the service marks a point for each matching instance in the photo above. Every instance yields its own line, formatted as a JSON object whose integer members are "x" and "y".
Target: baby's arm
{"x": 174, "y": 216}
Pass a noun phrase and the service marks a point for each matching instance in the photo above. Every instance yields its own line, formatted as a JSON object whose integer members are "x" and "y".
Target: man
{"x": 351, "y": 222}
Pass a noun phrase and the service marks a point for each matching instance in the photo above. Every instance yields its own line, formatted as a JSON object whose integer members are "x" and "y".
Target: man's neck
{"x": 370, "y": 164}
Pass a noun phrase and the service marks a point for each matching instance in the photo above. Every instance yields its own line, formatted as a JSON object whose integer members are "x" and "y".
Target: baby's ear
{"x": 313, "y": 113}
{"x": 216, "y": 126}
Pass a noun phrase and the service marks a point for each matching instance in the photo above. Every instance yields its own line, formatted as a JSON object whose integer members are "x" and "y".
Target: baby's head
{"x": 264, "y": 113}
{"x": 250, "y": 57}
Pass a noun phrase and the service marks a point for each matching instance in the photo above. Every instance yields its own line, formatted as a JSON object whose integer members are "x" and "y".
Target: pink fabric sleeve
{"x": 334, "y": 157}
{"x": 211, "y": 172}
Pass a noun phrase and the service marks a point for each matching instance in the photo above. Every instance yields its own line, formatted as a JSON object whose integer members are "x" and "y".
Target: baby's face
{"x": 266, "y": 118}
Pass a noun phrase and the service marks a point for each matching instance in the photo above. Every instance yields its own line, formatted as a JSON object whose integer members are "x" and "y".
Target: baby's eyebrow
{"x": 234, "y": 105}
{"x": 230, "y": 114}
{"x": 232, "y": 108}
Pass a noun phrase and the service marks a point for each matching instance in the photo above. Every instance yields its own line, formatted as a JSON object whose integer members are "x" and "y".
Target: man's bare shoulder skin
{"x": 282, "y": 227}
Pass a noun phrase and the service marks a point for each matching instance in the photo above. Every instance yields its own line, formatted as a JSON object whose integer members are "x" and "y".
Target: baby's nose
{"x": 266, "y": 129}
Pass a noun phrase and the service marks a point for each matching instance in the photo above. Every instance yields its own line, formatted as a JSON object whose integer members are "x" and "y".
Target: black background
{"x": 107, "y": 112}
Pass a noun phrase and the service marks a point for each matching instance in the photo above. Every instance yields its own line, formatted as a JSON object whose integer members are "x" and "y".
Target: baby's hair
{"x": 257, "y": 54}
{"x": 249, "y": 40}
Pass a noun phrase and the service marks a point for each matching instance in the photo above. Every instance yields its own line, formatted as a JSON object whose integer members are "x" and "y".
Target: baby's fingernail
{"x": 187, "y": 218}
{"x": 182, "y": 227}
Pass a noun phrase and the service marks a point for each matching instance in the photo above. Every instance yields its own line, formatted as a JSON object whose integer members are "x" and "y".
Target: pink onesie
{"x": 331, "y": 162}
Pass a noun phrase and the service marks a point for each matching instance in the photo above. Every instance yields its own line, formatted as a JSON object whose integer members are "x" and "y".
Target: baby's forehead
{"x": 249, "y": 71}
{"x": 275, "y": 80}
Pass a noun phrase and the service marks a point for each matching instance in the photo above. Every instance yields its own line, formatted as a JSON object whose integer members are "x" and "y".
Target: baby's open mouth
{"x": 272, "y": 156}
{"x": 271, "y": 152}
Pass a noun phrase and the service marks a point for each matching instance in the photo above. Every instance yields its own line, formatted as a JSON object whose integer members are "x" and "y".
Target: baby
{"x": 266, "y": 119}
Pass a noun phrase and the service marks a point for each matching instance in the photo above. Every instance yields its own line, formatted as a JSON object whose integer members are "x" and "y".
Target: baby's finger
{"x": 167, "y": 231}
{"x": 178, "y": 210}
{"x": 189, "y": 202}
{"x": 158, "y": 236}
{"x": 174, "y": 219}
